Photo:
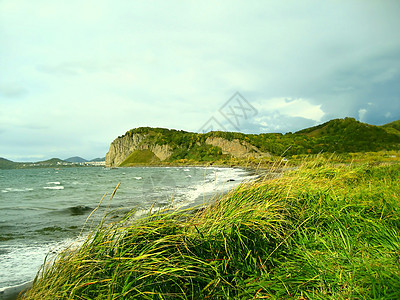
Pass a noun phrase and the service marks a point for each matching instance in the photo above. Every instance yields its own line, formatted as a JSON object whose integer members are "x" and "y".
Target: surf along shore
{"x": 322, "y": 231}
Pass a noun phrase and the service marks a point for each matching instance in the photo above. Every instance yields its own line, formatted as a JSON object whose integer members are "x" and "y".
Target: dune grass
{"x": 323, "y": 231}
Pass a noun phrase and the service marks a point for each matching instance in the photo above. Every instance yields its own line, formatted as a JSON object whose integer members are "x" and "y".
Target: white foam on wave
{"x": 21, "y": 263}
{"x": 216, "y": 181}
{"x": 7, "y": 190}
{"x": 138, "y": 178}
{"x": 60, "y": 187}
{"x": 54, "y": 182}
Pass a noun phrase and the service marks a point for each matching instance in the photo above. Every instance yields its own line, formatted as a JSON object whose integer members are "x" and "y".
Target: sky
{"x": 75, "y": 75}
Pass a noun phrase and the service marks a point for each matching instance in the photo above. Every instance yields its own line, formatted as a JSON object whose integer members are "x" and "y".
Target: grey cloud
{"x": 57, "y": 70}
{"x": 12, "y": 91}
{"x": 265, "y": 122}
{"x": 75, "y": 68}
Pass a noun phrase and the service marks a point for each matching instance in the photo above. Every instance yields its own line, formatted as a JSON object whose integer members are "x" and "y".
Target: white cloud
{"x": 361, "y": 114}
{"x": 293, "y": 107}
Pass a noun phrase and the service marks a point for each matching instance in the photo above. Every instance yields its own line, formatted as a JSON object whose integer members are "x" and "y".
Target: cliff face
{"x": 166, "y": 143}
{"x": 235, "y": 147}
{"x": 121, "y": 147}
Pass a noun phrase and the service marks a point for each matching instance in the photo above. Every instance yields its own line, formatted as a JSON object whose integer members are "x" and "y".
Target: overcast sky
{"x": 74, "y": 75}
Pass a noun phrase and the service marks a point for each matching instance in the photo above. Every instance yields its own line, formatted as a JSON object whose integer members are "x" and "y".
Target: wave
{"x": 51, "y": 229}
{"x": 216, "y": 181}
{"x": 79, "y": 210}
{"x": 7, "y": 190}
{"x": 54, "y": 182}
{"x": 53, "y": 187}
{"x": 28, "y": 258}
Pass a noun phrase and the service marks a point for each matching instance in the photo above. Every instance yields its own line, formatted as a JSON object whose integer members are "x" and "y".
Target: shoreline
{"x": 12, "y": 293}
{"x": 259, "y": 217}
{"x": 200, "y": 202}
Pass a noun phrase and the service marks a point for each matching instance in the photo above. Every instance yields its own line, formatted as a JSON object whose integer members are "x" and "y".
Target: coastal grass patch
{"x": 140, "y": 157}
{"x": 322, "y": 231}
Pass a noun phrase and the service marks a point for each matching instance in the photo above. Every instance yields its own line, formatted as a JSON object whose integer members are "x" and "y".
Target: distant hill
{"x": 98, "y": 159}
{"x": 7, "y": 164}
{"x": 50, "y": 163}
{"x": 155, "y": 145}
{"x": 76, "y": 159}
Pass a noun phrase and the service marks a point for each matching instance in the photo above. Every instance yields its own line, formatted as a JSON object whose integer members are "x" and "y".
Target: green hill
{"x": 350, "y": 135}
{"x": 175, "y": 146}
{"x": 50, "y": 163}
{"x": 393, "y": 127}
{"x": 7, "y": 164}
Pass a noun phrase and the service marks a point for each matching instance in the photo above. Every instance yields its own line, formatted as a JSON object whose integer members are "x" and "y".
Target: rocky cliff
{"x": 174, "y": 145}
{"x": 235, "y": 148}
{"x": 123, "y": 146}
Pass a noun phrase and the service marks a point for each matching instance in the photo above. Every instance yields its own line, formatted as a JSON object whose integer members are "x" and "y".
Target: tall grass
{"x": 320, "y": 232}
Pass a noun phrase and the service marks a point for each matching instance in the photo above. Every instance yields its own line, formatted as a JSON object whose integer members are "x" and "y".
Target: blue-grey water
{"x": 44, "y": 210}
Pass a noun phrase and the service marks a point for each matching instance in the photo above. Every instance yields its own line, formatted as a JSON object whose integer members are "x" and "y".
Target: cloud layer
{"x": 75, "y": 75}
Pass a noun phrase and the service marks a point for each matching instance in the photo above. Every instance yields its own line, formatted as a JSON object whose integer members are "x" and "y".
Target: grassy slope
{"x": 145, "y": 157}
{"x": 393, "y": 127}
{"x": 323, "y": 231}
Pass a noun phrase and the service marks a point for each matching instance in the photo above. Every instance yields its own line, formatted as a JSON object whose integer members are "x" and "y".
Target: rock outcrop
{"x": 121, "y": 147}
{"x": 235, "y": 147}
{"x": 165, "y": 143}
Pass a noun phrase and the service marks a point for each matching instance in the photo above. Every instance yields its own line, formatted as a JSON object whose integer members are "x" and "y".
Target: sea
{"x": 42, "y": 211}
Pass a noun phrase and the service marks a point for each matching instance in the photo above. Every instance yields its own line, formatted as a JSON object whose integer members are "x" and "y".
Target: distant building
{"x": 95, "y": 163}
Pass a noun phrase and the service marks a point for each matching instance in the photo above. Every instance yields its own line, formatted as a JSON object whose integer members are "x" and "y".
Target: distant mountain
{"x": 98, "y": 159}
{"x": 76, "y": 159}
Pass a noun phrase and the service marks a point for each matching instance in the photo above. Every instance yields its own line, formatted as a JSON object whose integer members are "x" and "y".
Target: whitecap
{"x": 138, "y": 178}
{"x": 54, "y": 182}
{"x": 6, "y": 190}
{"x": 53, "y": 187}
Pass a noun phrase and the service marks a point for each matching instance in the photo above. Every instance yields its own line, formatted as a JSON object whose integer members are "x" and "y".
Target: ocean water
{"x": 44, "y": 210}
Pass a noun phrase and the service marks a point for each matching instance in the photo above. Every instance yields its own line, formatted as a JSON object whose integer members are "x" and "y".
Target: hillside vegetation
{"x": 336, "y": 136}
{"x": 7, "y": 164}
{"x": 323, "y": 231}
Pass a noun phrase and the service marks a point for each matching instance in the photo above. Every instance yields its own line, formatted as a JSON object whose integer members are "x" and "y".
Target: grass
{"x": 323, "y": 231}
{"x": 140, "y": 157}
